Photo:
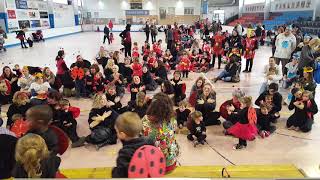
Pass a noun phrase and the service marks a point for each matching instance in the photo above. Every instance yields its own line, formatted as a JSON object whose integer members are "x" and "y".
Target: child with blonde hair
{"x": 128, "y": 126}
{"x": 33, "y": 158}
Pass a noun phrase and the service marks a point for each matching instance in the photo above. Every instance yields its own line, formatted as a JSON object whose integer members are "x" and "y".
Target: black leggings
{"x": 104, "y": 39}
{"x": 214, "y": 61}
{"x": 242, "y": 142}
{"x": 249, "y": 64}
{"x": 23, "y": 44}
{"x": 127, "y": 49}
{"x": 185, "y": 74}
{"x": 147, "y": 36}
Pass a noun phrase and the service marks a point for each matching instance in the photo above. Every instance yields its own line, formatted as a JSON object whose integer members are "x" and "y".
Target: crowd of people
{"x": 39, "y": 102}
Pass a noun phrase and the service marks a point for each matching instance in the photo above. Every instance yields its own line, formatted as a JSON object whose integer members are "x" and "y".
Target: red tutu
{"x": 193, "y": 98}
{"x": 243, "y": 131}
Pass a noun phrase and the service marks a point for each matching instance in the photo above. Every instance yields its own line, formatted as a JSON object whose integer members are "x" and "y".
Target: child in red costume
{"x": 136, "y": 67}
{"x": 157, "y": 48}
{"x": 135, "y": 50}
{"x": 206, "y": 47}
{"x": 151, "y": 59}
{"x": 185, "y": 65}
{"x": 250, "y": 45}
{"x": 217, "y": 48}
{"x": 246, "y": 128}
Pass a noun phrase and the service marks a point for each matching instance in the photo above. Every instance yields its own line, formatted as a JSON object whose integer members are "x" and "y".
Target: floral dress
{"x": 164, "y": 137}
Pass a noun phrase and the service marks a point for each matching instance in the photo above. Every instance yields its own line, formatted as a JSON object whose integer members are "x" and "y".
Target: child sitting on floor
{"x": 141, "y": 104}
{"x": 68, "y": 124}
{"x": 182, "y": 114}
{"x": 128, "y": 127}
{"x": 264, "y": 119}
{"x": 40, "y": 116}
{"x": 178, "y": 87}
{"x": 33, "y": 158}
{"x": 136, "y": 87}
{"x": 305, "y": 108}
{"x": 197, "y": 128}
{"x": 113, "y": 99}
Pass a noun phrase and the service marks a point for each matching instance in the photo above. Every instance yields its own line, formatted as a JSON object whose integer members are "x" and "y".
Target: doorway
{"x": 218, "y": 15}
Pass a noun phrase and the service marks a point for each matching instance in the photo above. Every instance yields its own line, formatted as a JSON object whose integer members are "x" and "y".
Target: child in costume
{"x": 250, "y": 45}
{"x": 182, "y": 114}
{"x": 197, "y": 128}
{"x": 305, "y": 108}
{"x": 246, "y": 128}
{"x": 217, "y": 48}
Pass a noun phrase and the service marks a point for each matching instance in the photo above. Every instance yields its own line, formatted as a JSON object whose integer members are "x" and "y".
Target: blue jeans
{"x": 225, "y": 76}
{"x": 263, "y": 88}
{"x": 80, "y": 88}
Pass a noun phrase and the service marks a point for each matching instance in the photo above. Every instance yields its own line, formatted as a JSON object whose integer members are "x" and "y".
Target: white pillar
{"x": 267, "y": 8}
{"x": 316, "y": 10}
{"x": 241, "y": 7}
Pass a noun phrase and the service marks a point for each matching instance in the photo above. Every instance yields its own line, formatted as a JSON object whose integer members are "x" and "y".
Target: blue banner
{"x": 21, "y": 4}
{"x": 204, "y": 7}
{"x": 137, "y": 12}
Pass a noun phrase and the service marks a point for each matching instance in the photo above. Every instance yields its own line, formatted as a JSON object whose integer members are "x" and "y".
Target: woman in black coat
{"x": 20, "y": 105}
{"x": 147, "y": 80}
{"x": 206, "y": 104}
{"x": 160, "y": 72}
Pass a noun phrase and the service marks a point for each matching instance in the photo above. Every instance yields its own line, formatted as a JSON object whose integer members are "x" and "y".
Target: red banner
{"x": 12, "y": 14}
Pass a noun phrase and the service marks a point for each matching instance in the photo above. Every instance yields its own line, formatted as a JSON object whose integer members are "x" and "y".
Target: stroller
{"x": 2, "y": 41}
{"x": 37, "y": 36}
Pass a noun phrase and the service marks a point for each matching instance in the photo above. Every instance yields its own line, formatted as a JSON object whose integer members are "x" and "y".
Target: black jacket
{"x": 106, "y": 31}
{"x": 49, "y": 168}
{"x": 108, "y": 122}
{"x": 7, "y": 153}
{"x": 182, "y": 116}
{"x": 125, "y": 154}
{"x": 14, "y": 109}
{"x": 264, "y": 121}
{"x": 231, "y": 68}
{"x": 197, "y": 129}
{"x": 161, "y": 72}
{"x": 277, "y": 101}
{"x": 50, "y": 138}
{"x": 81, "y": 64}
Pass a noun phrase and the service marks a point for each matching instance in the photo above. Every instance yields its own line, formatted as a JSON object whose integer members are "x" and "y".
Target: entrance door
{"x": 218, "y": 15}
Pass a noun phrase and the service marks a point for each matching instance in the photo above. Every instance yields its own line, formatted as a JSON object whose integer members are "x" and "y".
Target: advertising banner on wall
{"x": 35, "y": 23}
{"x": 24, "y": 24}
{"x": 11, "y": 4}
{"x": 33, "y": 5}
{"x": 42, "y": 6}
{"x": 21, "y": 4}
{"x": 33, "y": 14}
{"x": 45, "y": 23}
{"x": 22, "y": 14}
{"x": 12, "y": 14}
{"x": 13, "y": 25}
{"x": 43, "y": 14}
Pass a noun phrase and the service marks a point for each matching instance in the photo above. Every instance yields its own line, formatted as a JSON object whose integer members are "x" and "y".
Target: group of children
{"x": 34, "y": 93}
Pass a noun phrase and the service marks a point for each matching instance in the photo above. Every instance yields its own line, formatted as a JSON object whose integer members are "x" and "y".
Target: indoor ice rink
{"x": 66, "y": 95}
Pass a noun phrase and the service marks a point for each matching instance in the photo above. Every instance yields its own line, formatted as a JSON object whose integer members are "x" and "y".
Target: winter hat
{"x": 238, "y": 93}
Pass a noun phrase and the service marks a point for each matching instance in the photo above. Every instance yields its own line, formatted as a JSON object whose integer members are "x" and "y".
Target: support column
{"x": 3, "y": 16}
{"x": 76, "y": 12}
{"x": 241, "y": 7}
{"x": 316, "y": 11}
{"x": 50, "y": 12}
{"x": 267, "y": 8}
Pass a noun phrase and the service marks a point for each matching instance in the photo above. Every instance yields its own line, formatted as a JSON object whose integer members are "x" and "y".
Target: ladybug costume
{"x": 246, "y": 128}
{"x": 126, "y": 157}
{"x": 137, "y": 69}
{"x": 147, "y": 162}
{"x": 135, "y": 52}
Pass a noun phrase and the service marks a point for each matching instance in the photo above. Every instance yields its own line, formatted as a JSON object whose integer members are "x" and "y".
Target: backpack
{"x": 101, "y": 135}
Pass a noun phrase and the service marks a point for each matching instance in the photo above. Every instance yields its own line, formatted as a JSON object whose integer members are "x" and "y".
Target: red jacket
{"x": 137, "y": 69}
{"x": 135, "y": 52}
{"x": 218, "y": 41}
{"x": 61, "y": 67}
{"x": 250, "y": 47}
{"x": 110, "y": 24}
{"x": 185, "y": 64}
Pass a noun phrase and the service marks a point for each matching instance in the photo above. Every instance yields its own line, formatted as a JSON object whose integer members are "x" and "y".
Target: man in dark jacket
{"x": 106, "y": 35}
{"x": 230, "y": 70}
{"x": 276, "y": 100}
{"x": 128, "y": 127}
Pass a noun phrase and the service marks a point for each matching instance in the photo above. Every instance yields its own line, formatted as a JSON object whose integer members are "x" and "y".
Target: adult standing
{"x": 273, "y": 40}
{"x": 239, "y": 28}
{"x": 154, "y": 33}
{"x": 21, "y": 35}
{"x": 169, "y": 38}
{"x": 106, "y": 35}
{"x": 307, "y": 58}
{"x": 110, "y": 25}
{"x": 147, "y": 31}
{"x": 126, "y": 40}
{"x": 285, "y": 45}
